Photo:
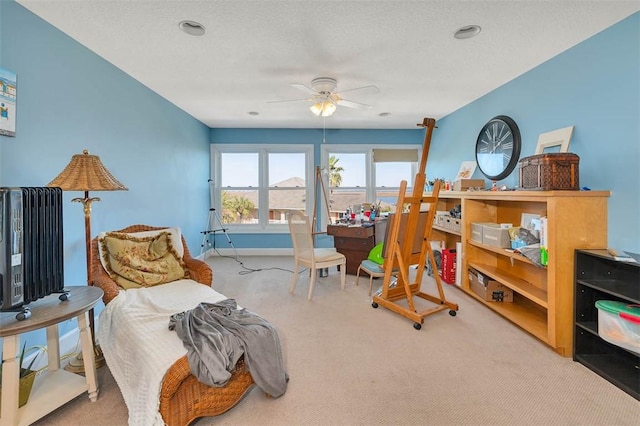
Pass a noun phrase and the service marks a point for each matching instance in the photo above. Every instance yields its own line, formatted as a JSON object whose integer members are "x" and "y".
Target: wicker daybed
{"x": 183, "y": 398}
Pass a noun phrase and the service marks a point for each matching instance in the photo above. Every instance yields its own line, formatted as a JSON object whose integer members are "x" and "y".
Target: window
{"x": 361, "y": 175}
{"x": 253, "y": 187}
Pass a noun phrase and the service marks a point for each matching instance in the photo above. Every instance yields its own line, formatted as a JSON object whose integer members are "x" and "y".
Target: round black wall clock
{"x": 498, "y": 147}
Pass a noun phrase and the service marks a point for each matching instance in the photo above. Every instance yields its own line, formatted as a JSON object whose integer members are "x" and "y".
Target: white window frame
{"x": 370, "y": 186}
{"x": 263, "y": 225}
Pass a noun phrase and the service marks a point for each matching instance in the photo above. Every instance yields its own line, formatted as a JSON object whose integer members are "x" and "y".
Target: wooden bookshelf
{"x": 543, "y": 296}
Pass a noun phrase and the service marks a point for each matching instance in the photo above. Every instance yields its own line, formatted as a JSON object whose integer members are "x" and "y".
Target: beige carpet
{"x": 351, "y": 364}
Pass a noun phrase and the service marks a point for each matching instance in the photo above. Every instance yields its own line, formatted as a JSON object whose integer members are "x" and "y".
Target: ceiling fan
{"x": 326, "y": 99}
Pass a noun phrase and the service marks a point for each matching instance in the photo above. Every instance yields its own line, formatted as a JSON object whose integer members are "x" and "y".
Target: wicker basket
{"x": 553, "y": 171}
{"x": 25, "y": 385}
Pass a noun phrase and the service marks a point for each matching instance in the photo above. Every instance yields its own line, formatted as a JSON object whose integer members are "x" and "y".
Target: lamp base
{"x": 76, "y": 365}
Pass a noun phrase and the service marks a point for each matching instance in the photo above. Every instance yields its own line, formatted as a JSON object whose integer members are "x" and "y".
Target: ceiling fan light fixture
{"x": 192, "y": 28}
{"x": 467, "y": 32}
{"x": 323, "y": 108}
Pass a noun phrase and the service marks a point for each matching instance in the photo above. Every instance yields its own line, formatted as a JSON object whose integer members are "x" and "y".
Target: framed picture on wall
{"x": 8, "y": 93}
{"x": 558, "y": 138}
{"x": 467, "y": 168}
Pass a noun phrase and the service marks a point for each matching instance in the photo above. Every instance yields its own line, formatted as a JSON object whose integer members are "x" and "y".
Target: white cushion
{"x": 326, "y": 254}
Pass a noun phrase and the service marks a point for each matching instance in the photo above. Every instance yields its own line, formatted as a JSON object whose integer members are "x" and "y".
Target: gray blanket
{"x": 216, "y": 335}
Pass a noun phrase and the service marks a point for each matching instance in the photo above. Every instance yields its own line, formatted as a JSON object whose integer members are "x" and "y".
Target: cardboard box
{"x": 464, "y": 184}
{"x": 496, "y": 236}
{"x": 488, "y": 289}
{"x": 477, "y": 230}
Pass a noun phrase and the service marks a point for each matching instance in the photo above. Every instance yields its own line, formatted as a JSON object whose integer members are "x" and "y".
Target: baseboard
{"x": 247, "y": 252}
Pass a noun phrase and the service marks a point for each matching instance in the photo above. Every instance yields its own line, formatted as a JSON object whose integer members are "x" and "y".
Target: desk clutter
{"x": 528, "y": 239}
{"x": 355, "y": 241}
{"x": 360, "y": 214}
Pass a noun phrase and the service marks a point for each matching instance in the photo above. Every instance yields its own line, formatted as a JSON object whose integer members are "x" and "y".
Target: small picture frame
{"x": 560, "y": 137}
{"x": 8, "y": 94}
{"x": 467, "y": 168}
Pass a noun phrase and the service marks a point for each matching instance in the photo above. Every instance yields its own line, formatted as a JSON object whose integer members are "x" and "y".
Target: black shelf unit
{"x": 600, "y": 277}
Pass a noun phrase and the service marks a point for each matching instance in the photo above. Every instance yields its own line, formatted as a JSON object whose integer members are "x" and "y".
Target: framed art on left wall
{"x": 8, "y": 93}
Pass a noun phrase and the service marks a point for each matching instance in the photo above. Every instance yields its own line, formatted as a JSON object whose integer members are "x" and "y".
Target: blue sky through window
{"x": 241, "y": 170}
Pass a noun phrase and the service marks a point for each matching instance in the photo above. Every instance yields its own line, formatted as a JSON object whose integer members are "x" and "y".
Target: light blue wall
{"x": 70, "y": 99}
{"x": 595, "y": 86}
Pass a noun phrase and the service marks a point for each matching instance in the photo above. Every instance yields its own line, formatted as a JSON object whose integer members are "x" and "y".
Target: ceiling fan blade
{"x": 370, "y": 89}
{"x": 291, "y": 100}
{"x": 353, "y": 104}
{"x": 304, "y": 88}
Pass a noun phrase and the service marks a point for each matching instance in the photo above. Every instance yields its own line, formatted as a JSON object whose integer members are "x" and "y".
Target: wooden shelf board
{"x": 502, "y": 252}
{"x": 448, "y": 231}
{"x": 51, "y": 390}
{"x": 530, "y": 319}
{"x": 543, "y": 196}
{"x": 614, "y": 287}
{"x": 518, "y": 285}
{"x": 590, "y": 326}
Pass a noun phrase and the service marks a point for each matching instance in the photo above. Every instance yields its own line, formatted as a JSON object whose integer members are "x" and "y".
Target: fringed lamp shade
{"x": 86, "y": 172}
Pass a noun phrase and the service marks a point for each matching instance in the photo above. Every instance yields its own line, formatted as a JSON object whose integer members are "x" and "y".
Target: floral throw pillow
{"x": 134, "y": 262}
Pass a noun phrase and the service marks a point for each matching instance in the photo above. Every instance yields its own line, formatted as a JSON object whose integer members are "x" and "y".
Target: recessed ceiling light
{"x": 253, "y": 113}
{"x": 384, "y": 114}
{"x": 467, "y": 32}
{"x": 192, "y": 28}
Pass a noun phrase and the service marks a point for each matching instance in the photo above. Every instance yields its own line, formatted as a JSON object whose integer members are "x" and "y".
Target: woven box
{"x": 552, "y": 171}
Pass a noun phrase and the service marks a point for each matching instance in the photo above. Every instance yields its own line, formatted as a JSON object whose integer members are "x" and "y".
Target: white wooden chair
{"x": 306, "y": 255}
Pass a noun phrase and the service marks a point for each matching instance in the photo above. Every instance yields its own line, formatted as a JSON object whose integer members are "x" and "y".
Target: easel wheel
{"x": 374, "y": 305}
{"x": 417, "y": 326}
{"x": 452, "y": 313}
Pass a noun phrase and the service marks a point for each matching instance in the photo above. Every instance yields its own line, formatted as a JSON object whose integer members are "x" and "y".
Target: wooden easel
{"x": 399, "y": 253}
{"x": 319, "y": 183}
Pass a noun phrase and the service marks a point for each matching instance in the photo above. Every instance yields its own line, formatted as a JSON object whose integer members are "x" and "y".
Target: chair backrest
{"x": 301, "y": 236}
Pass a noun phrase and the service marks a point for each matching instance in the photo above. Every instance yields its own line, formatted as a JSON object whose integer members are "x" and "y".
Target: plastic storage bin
{"x": 516, "y": 244}
{"x": 619, "y": 323}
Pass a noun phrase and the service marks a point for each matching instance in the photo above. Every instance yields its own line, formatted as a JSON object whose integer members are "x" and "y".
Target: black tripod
{"x": 214, "y": 225}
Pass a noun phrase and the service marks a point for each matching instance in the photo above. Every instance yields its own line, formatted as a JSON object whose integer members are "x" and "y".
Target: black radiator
{"x": 31, "y": 245}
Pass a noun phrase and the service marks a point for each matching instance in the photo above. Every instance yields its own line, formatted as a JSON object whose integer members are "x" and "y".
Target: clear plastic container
{"x": 619, "y": 324}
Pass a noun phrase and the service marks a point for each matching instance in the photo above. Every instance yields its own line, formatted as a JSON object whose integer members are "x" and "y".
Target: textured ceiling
{"x": 253, "y": 51}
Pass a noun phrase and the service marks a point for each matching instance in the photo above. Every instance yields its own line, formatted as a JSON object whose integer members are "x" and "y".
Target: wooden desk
{"x": 55, "y": 387}
{"x": 354, "y": 242}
